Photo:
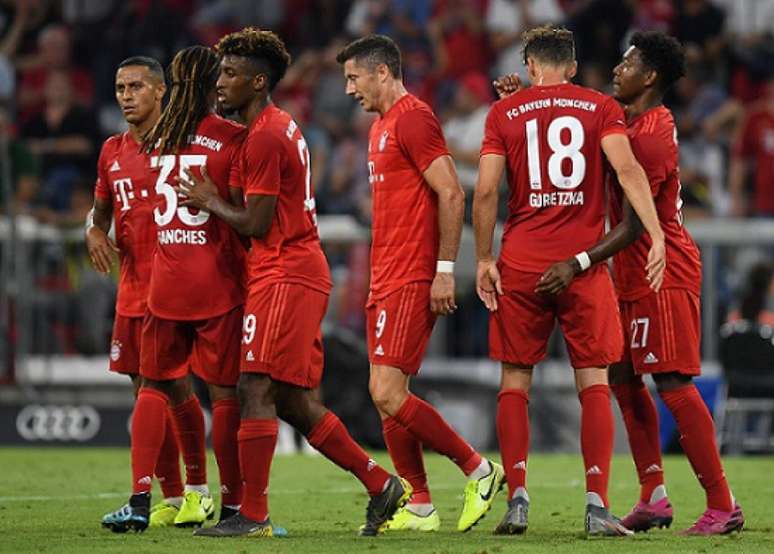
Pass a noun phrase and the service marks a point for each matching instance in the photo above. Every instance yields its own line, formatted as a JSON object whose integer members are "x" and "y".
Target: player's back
{"x": 653, "y": 137}
{"x": 123, "y": 177}
{"x": 276, "y": 162}
{"x": 551, "y": 138}
{"x": 198, "y": 268}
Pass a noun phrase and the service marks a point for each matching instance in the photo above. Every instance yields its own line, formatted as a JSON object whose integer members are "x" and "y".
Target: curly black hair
{"x": 265, "y": 48}
{"x": 663, "y": 54}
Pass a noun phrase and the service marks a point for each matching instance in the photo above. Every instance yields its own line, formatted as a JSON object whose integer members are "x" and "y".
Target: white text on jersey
{"x": 549, "y": 103}
{"x": 182, "y": 236}
{"x": 548, "y": 199}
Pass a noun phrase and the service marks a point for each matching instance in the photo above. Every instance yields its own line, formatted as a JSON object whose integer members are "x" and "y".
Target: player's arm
{"x": 251, "y": 220}
{"x": 99, "y": 245}
{"x": 634, "y": 183}
{"x": 558, "y": 277}
{"x": 485, "y": 199}
{"x": 441, "y": 175}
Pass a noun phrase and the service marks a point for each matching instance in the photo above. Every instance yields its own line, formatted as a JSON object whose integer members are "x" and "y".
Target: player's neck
{"x": 546, "y": 76}
{"x": 391, "y": 97}
{"x": 642, "y": 104}
{"x": 253, "y": 109}
{"x": 138, "y": 132}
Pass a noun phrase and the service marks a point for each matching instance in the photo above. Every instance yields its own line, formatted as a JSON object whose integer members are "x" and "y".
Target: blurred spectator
{"x": 458, "y": 37}
{"x": 599, "y": 27}
{"x": 24, "y": 170}
{"x": 63, "y": 137}
{"x": 332, "y": 107}
{"x": 403, "y": 20}
{"x": 699, "y": 26}
{"x": 757, "y": 300}
{"x": 653, "y": 15}
{"x": 464, "y": 130}
{"x": 216, "y": 18}
{"x": 506, "y": 20}
{"x": 753, "y": 153}
{"x": 12, "y": 27}
{"x": 53, "y": 55}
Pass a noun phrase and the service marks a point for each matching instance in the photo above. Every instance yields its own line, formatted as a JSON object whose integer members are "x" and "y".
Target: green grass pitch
{"x": 51, "y": 500}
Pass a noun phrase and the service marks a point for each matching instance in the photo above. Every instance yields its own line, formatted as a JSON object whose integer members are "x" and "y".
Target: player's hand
{"x": 197, "y": 191}
{"x": 101, "y": 249}
{"x": 556, "y": 279}
{"x": 656, "y": 265}
{"x": 506, "y": 85}
{"x": 442, "y": 294}
{"x": 488, "y": 284}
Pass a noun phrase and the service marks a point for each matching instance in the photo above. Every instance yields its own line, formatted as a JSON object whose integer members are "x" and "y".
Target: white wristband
{"x": 444, "y": 266}
{"x": 583, "y": 260}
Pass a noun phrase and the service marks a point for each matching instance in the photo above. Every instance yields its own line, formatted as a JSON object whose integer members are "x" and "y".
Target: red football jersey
{"x": 654, "y": 142}
{"x": 123, "y": 179}
{"x": 756, "y": 142}
{"x": 550, "y": 136}
{"x": 198, "y": 268}
{"x": 404, "y": 233}
{"x": 275, "y": 162}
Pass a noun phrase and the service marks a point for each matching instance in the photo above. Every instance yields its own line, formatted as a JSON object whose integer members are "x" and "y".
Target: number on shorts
{"x": 640, "y": 324}
{"x": 248, "y": 328}
{"x": 380, "y": 322}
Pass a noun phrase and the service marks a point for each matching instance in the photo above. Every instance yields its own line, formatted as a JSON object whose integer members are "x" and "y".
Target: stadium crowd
{"x": 58, "y": 60}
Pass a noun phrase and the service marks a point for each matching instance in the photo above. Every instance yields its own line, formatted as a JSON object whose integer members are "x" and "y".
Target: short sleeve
{"x": 235, "y": 168}
{"x": 102, "y": 185}
{"x": 493, "y": 139}
{"x": 262, "y": 164}
{"x": 654, "y": 156}
{"x": 613, "y": 119}
{"x": 420, "y": 138}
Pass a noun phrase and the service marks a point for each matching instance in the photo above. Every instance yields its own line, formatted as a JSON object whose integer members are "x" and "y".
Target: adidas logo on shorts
{"x": 379, "y": 351}
{"x": 650, "y": 358}
{"x": 249, "y": 356}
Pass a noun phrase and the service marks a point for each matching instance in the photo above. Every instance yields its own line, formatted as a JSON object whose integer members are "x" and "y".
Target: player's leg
{"x": 512, "y": 424}
{"x": 589, "y": 317}
{"x": 216, "y": 355}
{"x": 641, "y": 420}
{"x": 302, "y": 408}
{"x": 518, "y": 337}
{"x": 697, "y": 437}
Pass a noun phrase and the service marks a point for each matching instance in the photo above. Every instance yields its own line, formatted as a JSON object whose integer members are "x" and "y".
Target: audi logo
{"x": 58, "y": 423}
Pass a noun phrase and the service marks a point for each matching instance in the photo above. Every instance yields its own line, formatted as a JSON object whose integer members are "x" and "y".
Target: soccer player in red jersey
{"x": 553, "y": 138}
{"x": 124, "y": 193}
{"x": 417, "y": 220}
{"x": 288, "y": 287}
{"x": 662, "y": 329}
{"x": 195, "y": 297}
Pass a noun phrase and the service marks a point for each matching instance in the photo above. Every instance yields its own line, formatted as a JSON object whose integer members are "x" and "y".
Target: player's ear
{"x": 260, "y": 81}
{"x": 572, "y": 71}
{"x": 161, "y": 90}
{"x": 650, "y": 78}
{"x": 383, "y": 72}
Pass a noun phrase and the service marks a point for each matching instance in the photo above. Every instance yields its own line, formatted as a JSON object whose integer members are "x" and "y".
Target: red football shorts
{"x": 210, "y": 347}
{"x": 587, "y": 312}
{"x": 662, "y": 332}
{"x": 399, "y": 327}
{"x": 281, "y": 334}
{"x": 125, "y": 345}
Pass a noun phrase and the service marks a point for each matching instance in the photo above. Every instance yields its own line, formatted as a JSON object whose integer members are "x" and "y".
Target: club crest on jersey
{"x": 383, "y": 141}
{"x": 115, "y": 350}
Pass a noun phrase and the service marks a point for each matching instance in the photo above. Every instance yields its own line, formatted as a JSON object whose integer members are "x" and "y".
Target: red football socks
{"x": 697, "y": 437}
{"x": 513, "y": 435}
{"x": 257, "y": 440}
{"x": 168, "y": 463}
{"x": 641, "y": 420}
{"x": 148, "y": 428}
{"x": 225, "y": 426}
{"x": 426, "y": 424}
{"x": 332, "y": 439}
{"x": 189, "y": 423}
{"x": 406, "y": 454}
{"x": 596, "y": 438}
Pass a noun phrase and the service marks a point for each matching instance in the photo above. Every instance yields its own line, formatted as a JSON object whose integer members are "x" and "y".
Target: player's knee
{"x": 385, "y": 398}
{"x": 666, "y": 382}
{"x": 255, "y": 395}
{"x": 622, "y": 374}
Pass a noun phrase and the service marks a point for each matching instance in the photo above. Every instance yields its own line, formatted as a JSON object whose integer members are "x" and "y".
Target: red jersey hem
{"x": 194, "y": 317}
{"x": 373, "y": 297}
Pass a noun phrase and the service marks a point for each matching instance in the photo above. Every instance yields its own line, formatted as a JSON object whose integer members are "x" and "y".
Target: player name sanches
{"x": 182, "y": 236}
{"x": 547, "y": 199}
{"x": 551, "y": 103}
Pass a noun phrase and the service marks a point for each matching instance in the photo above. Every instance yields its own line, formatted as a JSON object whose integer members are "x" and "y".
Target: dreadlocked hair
{"x": 192, "y": 76}
{"x": 264, "y": 48}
